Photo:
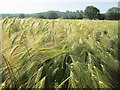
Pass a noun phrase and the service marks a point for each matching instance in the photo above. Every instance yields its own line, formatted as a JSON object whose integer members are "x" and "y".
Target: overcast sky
{"x": 36, "y": 6}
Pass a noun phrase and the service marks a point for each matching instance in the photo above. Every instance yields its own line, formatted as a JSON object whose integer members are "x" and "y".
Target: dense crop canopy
{"x": 41, "y": 53}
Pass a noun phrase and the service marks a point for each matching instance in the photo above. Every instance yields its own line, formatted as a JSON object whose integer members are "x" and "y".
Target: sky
{"x": 36, "y": 6}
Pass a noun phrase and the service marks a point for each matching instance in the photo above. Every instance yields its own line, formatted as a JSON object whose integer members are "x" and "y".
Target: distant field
{"x": 43, "y": 53}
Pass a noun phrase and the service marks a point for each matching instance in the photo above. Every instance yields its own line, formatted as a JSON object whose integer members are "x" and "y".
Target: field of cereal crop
{"x": 43, "y": 53}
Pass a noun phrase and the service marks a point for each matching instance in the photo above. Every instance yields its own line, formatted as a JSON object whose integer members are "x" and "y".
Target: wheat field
{"x": 44, "y": 53}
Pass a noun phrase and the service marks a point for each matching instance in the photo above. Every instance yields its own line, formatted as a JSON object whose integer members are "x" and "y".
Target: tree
{"x": 41, "y": 16}
{"x": 101, "y": 16}
{"x": 21, "y": 16}
{"x": 81, "y": 11}
{"x": 79, "y": 16}
{"x": 113, "y": 13}
{"x": 52, "y": 15}
{"x": 77, "y": 11}
{"x": 66, "y": 16}
{"x": 67, "y": 11}
{"x": 91, "y": 12}
{"x": 72, "y": 16}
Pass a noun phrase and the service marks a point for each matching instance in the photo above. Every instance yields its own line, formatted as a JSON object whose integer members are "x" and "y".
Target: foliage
{"x": 113, "y": 13}
{"x": 73, "y": 16}
{"x": 91, "y": 12}
{"x": 101, "y": 16}
{"x": 21, "y": 16}
{"x": 41, "y": 16}
{"x": 52, "y": 15}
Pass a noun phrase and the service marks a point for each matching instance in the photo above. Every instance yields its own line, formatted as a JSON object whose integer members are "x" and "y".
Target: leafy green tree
{"x": 21, "y": 16}
{"x": 91, "y": 12}
{"x": 72, "y": 16}
{"x": 101, "y": 16}
{"x": 79, "y": 16}
{"x": 67, "y": 11}
{"x": 66, "y": 16}
{"x": 77, "y": 11}
{"x": 41, "y": 16}
{"x": 113, "y": 13}
{"x": 81, "y": 11}
{"x": 52, "y": 15}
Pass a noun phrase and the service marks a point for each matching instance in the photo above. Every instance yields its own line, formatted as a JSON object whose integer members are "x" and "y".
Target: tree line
{"x": 90, "y": 12}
